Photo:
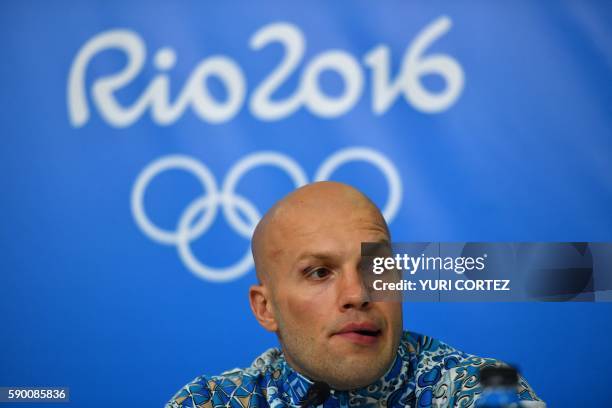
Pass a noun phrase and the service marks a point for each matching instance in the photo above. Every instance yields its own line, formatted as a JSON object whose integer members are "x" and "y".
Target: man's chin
{"x": 356, "y": 372}
{"x": 352, "y": 383}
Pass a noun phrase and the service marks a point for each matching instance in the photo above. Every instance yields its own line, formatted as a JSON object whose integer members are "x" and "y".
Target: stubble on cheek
{"x": 303, "y": 332}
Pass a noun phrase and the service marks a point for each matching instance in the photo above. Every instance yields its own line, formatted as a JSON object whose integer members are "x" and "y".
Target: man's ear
{"x": 262, "y": 307}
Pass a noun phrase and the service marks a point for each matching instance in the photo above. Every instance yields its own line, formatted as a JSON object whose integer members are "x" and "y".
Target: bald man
{"x": 338, "y": 348}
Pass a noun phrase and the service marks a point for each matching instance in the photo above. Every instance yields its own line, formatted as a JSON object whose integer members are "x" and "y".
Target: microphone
{"x": 318, "y": 392}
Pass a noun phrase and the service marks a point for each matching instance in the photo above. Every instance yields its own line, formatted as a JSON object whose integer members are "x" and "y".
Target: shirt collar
{"x": 395, "y": 387}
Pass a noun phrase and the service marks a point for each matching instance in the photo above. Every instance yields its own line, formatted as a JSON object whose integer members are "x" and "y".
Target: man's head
{"x": 307, "y": 252}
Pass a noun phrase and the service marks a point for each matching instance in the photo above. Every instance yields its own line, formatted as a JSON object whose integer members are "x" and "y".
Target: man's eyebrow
{"x": 372, "y": 248}
{"x": 321, "y": 255}
{"x": 384, "y": 242}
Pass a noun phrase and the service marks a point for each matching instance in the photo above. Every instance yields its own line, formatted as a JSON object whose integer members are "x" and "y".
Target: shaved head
{"x": 323, "y": 198}
{"x": 307, "y": 252}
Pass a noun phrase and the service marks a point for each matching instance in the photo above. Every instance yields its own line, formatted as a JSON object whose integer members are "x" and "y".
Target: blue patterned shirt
{"x": 426, "y": 373}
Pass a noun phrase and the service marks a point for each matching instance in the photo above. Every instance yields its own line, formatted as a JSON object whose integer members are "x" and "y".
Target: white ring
{"x": 203, "y": 175}
{"x": 192, "y": 263}
{"x": 247, "y": 163}
{"x": 378, "y": 160}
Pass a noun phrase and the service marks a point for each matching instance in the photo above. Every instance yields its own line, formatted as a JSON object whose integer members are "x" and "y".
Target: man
{"x": 338, "y": 347}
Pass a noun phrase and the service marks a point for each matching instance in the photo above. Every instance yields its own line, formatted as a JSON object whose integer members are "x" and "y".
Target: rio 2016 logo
{"x": 385, "y": 89}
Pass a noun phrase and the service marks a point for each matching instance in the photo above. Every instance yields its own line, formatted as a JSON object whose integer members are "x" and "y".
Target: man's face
{"x": 329, "y": 328}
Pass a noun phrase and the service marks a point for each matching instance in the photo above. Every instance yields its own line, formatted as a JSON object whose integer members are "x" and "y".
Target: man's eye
{"x": 319, "y": 273}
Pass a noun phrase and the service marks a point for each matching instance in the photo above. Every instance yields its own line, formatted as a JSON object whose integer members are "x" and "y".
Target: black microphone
{"x": 318, "y": 392}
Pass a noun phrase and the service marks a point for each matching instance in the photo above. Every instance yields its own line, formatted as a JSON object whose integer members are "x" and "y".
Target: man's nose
{"x": 353, "y": 293}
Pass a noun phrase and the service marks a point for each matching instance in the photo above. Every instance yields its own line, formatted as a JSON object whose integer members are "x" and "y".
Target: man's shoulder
{"x": 445, "y": 375}
{"x": 462, "y": 384}
{"x": 432, "y": 353}
{"x": 431, "y": 359}
{"x": 237, "y": 387}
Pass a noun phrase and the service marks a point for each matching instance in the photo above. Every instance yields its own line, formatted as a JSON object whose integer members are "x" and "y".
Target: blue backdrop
{"x": 141, "y": 141}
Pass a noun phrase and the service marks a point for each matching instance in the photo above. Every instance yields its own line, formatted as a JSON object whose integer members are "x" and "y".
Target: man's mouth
{"x": 360, "y": 333}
